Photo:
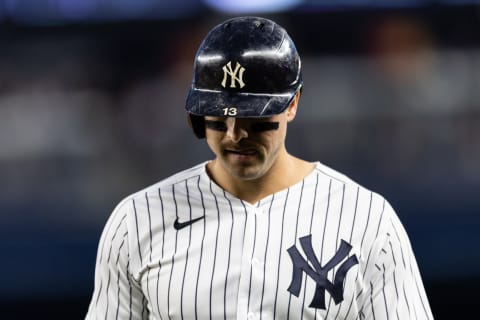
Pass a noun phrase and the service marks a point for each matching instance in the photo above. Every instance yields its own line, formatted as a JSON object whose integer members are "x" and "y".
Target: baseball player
{"x": 255, "y": 233}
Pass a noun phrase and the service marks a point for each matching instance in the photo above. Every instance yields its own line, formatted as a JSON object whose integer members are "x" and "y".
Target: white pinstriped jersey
{"x": 233, "y": 262}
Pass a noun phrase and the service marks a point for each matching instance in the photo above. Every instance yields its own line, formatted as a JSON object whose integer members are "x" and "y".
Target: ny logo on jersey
{"x": 319, "y": 273}
{"x": 228, "y": 71}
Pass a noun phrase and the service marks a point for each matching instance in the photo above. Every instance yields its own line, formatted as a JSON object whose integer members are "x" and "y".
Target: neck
{"x": 285, "y": 172}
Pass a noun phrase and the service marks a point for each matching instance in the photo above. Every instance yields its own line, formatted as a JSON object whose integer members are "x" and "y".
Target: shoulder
{"x": 350, "y": 186}
{"x": 137, "y": 214}
{"x": 367, "y": 215}
{"x": 165, "y": 184}
{"x": 130, "y": 204}
{"x": 337, "y": 176}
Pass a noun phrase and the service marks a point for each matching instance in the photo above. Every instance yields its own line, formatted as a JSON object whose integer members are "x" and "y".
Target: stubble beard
{"x": 255, "y": 170}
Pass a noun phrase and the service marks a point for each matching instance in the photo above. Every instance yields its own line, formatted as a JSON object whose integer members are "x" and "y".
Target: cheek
{"x": 278, "y": 134}
{"x": 213, "y": 141}
{"x": 274, "y": 140}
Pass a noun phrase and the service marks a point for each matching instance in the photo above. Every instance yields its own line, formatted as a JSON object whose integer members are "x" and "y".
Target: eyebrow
{"x": 255, "y": 127}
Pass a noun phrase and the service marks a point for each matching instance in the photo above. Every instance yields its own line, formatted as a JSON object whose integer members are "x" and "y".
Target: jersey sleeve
{"x": 116, "y": 294}
{"x": 393, "y": 288}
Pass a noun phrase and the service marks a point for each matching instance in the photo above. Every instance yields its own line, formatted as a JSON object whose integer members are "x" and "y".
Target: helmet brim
{"x": 203, "y": 102}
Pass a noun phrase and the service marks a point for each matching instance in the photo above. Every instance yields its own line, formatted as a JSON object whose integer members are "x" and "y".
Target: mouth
{"x": 246, "y": 152}
{"x": 242, "y": 154}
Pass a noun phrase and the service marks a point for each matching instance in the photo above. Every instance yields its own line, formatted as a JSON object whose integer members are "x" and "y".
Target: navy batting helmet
{"x": 245, "y": 67}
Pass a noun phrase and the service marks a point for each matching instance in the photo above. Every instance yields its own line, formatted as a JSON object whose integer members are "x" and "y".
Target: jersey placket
{"x": 252, "y": 269}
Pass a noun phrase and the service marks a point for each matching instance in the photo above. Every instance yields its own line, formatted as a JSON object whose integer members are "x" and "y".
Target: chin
{"x": 246, "y": 173}
{"x": 248, "y": 170}
{"x": 247, "y": 177}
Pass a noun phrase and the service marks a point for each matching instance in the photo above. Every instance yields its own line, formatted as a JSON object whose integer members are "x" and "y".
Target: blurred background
{"x": 91, "y": 110}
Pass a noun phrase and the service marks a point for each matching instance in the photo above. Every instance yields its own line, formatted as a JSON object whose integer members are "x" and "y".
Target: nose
{"x": 236, "y": 129}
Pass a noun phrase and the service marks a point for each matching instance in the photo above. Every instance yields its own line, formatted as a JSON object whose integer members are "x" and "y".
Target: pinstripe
{"x": 106, "y": 293}
{"x": 114, "y": 234}
{"x": 368, "y": 259}
{"x": 136, "y": 226}
{"x": 363, "y": 238}
{"x": 118, "y": 279}
{"x": 391, "y": 248}
{"x": 188, "y": 249}
{"x": 376, "y": 236}
{"x": 401, "y": 250}
{"x": 148, "y": 291}
{"x": 359, "y": 294}
{"x": 415, "y": 278}
{"x": 149, "y": 224}
{"x": 326, "y": 218}
{"x": 110, "y": 249}
{"x": 405, "y": 266}
{"x": 265, "y": 256}
{"x": 360, "y": 314}
{"x": 350, "y": 306}
{"x": 395, "y": 266}
{"x": 350, "y": 241}
{"x": 229, "y": 257}
{"x": 280, "y": 254}
{"x": 354, "y": 214}
{"x": 163, "y": 244}
{"x": 371, "y": 300}
{"x": 118, "y": 294}
{"x": 368, "y": 219}
{"x": 129, "y": 288}
{"x": 201, "y": 248}
{"x": 109, "y": 275}
{"x": 150, "y": 238}
{"x": 296, "y": 237}
{"x": 155, "y": 282}
{"x": 383, "y": 291}
{"x": 340, "y": 218}
{"x": 245, "y": 211}
{"x": 380, "y": 220}
{"x": 173, "y": 254}
{"x": 311, "y": 221}
{"x": 216, "y": 247}
{"x": 144, "y": 308}
{"x": 336, "y": 243}
{"x": 305, "y": 282}
{"x": 163, "y": 221}
{"x": 406, "y": 301}
{"x": 329, "y": 175}
{"x": 395, "y": 284}
{"x": 418, "y": 292}
{"x": 251, "y": 259}
{"x": 310, "y": 232}
{"x": 98, "y": 295}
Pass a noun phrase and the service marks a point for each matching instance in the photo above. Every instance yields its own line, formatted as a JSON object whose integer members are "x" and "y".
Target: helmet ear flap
{"x": 197, "y": 123}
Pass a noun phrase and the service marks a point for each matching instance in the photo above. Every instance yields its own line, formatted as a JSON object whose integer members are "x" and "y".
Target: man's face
{"x": 246, "y": 148}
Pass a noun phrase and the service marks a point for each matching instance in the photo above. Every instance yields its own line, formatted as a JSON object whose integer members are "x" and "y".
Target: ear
{"x": 197, "y": 123}
{"x": 292, "y": 108}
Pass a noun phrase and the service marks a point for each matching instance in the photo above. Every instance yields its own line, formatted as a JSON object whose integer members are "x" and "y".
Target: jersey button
{"x": 251, "y": 316}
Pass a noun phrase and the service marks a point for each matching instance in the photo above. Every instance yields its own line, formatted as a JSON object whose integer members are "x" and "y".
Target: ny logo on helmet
{"x": 319, "y": 273}
{"x": 228, "y": 71}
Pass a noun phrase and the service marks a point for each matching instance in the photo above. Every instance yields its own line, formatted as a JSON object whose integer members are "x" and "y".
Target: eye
{"x": 264, "y": 126}
{"x": 216, "y": 125}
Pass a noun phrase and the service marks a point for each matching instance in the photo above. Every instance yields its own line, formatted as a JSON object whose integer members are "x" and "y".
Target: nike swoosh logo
{"x": 180, "y": 225}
